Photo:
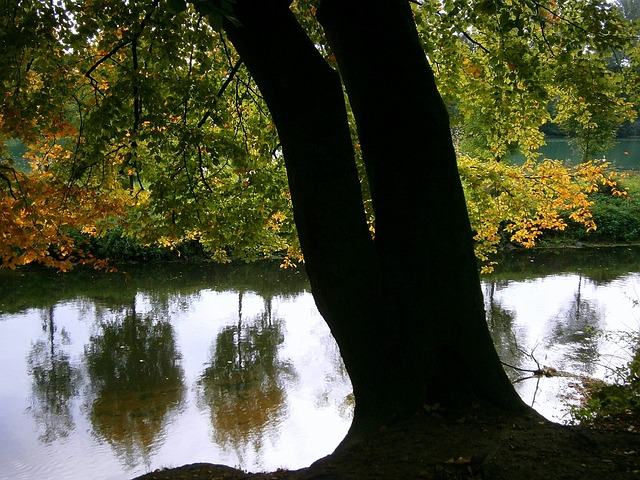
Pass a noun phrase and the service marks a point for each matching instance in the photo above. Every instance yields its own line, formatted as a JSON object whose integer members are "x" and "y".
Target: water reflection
{"x": 55, "y": 381}
{"x": 178, "y": 365}
{"x": 577, "y": 328}
{"x": 136, "y": 382}
{"x": 243, "y": 387}
{"x": 559, "y": 321}
{"x": 500, "y": 321}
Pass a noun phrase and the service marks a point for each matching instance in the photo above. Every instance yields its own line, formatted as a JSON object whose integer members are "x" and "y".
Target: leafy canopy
{"x": 139, "y": 115}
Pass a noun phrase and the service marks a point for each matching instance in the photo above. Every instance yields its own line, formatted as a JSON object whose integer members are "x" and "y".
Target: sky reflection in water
{"x": 126, "y": 376}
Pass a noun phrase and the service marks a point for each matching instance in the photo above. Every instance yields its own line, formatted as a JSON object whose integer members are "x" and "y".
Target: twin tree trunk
{"x": 406, "y": 309}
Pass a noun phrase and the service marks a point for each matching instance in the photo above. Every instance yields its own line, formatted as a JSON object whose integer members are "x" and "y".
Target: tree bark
{"x": 423, "y": 235}
{"x": 406, "y": 310}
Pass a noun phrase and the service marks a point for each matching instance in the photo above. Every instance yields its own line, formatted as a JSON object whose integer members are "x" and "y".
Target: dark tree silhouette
{"x": 406, "y": 307}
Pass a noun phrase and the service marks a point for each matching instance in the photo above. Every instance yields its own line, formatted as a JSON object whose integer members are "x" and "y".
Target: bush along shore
{"x": 617, "y": 219}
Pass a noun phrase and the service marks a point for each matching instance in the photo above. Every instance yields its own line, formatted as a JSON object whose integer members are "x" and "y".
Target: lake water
{"x": 109, "y": 376}
{"x": 624, "y": 155}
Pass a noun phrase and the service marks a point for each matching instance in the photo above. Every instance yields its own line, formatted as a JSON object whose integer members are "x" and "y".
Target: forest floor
{"x": 471, "y": 445}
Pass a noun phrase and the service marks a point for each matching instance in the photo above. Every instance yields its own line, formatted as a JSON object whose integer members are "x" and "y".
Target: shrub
{"x": 612, "y": 405}
{"x": 618, "y": 219}
{"x": 115, "y": 246}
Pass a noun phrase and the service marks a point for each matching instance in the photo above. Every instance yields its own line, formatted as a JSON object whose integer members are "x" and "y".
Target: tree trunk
{"x": 306, "y": 101}
{"x": 423, "y": 235}
{"x": 406, "y": 310}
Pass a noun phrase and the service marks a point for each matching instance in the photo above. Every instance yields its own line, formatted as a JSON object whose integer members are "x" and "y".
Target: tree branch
{"x": 230, "y": 77}
{"x": 478, "y": 44}
{"x": 123, "y": 43}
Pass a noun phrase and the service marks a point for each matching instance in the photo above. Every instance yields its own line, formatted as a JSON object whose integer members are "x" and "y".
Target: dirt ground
{"x": 468, "y": 445}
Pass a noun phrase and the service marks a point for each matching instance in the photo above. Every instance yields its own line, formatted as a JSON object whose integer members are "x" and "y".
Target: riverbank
{"x": 480, "y": 444}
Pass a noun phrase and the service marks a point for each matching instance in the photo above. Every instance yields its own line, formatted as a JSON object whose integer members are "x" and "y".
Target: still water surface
{"x": 623, "y": 155}
{"x": 109, "y": 376}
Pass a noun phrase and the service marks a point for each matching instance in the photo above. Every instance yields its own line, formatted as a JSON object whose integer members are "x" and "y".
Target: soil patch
{"x": 463, "y": 445}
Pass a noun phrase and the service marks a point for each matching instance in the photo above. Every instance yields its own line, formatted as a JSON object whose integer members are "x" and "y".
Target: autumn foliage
{"x": 42, "y": 214}
{"x": 515, "y": 204}
{"x": 141, "y": 116}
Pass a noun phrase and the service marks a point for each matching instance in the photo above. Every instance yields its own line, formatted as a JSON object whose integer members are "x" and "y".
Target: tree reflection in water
{"x": 136, "y": 382}
{"x": 500, "y": 321}
{"x": 244, "y": 385}
{"x": 55, "y": 382}
{"x": 83, "y": 359}
{"x": 577, "y": 328}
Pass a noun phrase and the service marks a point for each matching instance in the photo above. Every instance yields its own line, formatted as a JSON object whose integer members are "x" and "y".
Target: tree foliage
{"x": 509, "y": 67}
{"x": 518, "y": 204}
{"x": 149, "y": 109}
{"x": 141, "y": 115}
